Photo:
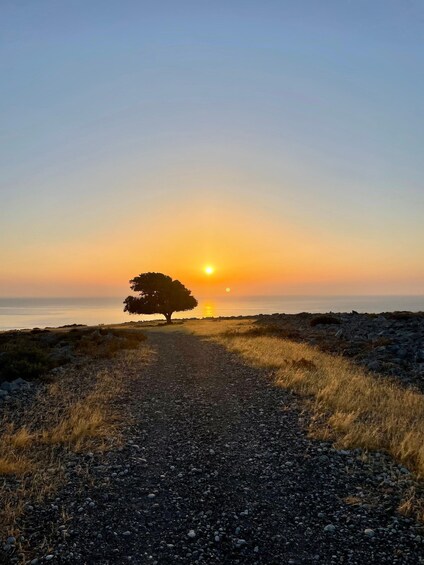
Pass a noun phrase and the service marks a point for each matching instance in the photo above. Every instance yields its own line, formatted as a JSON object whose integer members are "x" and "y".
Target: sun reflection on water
{"x": 208, "y": 309}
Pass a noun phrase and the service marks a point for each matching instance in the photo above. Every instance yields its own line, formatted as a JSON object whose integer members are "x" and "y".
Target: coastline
{"x": 389, "y": 344}
{"x": 20, "y": 313}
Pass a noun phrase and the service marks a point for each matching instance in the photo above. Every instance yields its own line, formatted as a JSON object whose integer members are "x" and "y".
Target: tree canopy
{"x": 158, "y": 294}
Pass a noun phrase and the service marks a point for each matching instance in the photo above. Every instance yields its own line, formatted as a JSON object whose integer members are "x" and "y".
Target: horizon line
{"x": 210, "y": 296}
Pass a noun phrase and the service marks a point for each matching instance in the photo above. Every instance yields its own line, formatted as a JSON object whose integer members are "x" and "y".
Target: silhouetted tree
{"x": 159, "y": 294}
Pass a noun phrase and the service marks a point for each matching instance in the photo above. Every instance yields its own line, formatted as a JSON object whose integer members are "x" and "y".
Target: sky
{"x": 278, "y": 141}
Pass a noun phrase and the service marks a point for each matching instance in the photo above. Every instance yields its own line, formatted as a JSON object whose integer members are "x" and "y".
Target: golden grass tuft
{"x": 14, "y": 466}
{"x": 80, "y": 424}
{"x": 21, "y": 439}
{"x": 87, "y": 419}
{"x": 413, "y": 505}
{"x": 353, "y": 500}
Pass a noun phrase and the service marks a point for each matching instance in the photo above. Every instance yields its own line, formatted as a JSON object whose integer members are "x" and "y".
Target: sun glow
{"x": 209, "y": 270}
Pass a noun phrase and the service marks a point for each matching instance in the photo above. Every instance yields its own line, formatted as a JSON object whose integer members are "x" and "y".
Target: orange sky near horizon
{"x": 253, "y": 251}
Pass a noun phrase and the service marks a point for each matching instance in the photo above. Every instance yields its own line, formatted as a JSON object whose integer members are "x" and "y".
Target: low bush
{"x": 324, "y": 320}
{"x": 273, "y": 330}
{"x": 31, "y": 355}
{"x": 267, "y": 330}
{"x": 403, "y": 316}
{"x": 106, "y": 343}
{"x": 23, "y": 358}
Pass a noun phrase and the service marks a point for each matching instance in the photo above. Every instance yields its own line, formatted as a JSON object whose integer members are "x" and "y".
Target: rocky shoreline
{"x": 390, "y": 344}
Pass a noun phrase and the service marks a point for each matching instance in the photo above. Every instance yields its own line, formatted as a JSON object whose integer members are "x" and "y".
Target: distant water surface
{"x": 17, "y": 313}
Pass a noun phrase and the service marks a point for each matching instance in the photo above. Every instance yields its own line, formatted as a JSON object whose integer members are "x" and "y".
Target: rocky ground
{"x": 217, "y": 468}
{"x": 389, "y": 345}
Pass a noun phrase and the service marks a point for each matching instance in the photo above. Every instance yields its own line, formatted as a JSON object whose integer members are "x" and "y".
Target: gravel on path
{"x": 217, "y": 468}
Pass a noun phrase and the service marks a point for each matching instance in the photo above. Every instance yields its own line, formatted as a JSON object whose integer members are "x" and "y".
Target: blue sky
{"x": 302, "y": 114}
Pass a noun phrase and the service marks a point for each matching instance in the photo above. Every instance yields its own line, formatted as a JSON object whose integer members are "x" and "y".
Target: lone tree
{"x": 159, "y": 294}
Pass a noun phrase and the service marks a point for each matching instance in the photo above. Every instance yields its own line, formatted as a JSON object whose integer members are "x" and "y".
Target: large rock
{"x": 19, "y": 382}
{"x": 14, "y": 386}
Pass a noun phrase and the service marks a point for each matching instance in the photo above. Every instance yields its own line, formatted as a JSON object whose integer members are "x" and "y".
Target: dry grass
{"x": 353, "y": 500}
{"x": 413, "y": 505}
{"x": 351, "y": 405}
{"x": 86, "y": 419}
{"x": 77, "y": 412}
{"x": 13, "y": 466}
{"x": 21, "y": 439}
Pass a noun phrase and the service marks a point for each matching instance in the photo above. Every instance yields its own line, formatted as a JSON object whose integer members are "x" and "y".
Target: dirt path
{"x": 218, "y": 469}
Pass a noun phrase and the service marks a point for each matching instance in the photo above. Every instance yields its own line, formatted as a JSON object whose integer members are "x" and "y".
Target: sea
{"x": 20, "y": 313}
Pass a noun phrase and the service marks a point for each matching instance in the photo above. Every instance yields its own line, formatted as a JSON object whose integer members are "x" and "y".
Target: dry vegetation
{"x": 348, "y": 403}
{"x": 77, "y": 411}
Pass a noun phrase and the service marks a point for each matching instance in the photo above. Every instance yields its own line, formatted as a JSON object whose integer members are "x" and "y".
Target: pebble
{"x": 273, "y": 496}
{"x": 241, "y": 542}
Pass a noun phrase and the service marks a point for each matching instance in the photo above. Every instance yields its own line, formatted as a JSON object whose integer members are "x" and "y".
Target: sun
{"x": 209, "y": 270}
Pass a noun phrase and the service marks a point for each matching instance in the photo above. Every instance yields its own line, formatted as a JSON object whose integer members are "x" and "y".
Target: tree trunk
{"x": 168, "y": 318}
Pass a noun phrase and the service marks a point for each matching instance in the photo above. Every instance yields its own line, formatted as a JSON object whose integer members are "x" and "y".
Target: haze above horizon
{"x": 241, "y": 147}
